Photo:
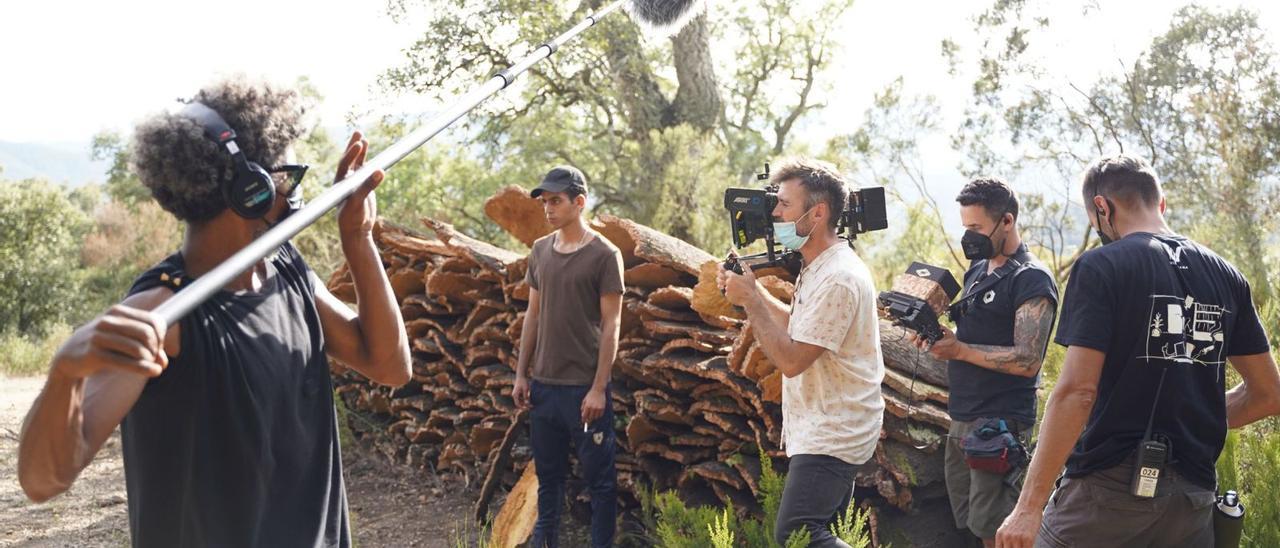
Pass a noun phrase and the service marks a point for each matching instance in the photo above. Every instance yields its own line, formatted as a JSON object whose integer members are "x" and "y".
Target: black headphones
{"x": 250, "y": 192}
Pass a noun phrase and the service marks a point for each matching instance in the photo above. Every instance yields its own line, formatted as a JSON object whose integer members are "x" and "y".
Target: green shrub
{"x": 721, "y": 531}
{"x": 670, "y": 523}
{"x": 1260, "y": 476}
{"x": 40, "y": 232}
{"x": 852, "y": 527}
{"x": 680, "y": 526}
{"x": 23, "y": 355}
{"x": 1250, "y": 465}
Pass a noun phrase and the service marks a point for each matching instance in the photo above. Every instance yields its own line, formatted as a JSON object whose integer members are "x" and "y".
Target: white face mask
{"x": 785, "y": 233}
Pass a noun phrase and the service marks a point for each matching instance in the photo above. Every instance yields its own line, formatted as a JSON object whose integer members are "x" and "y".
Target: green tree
{"x": 121, "y": 184}
{"x": 1204, "y": 102}
{"x": 885, "y": 151}
{"x": 40, "y": 231}
{"x": 319, "y": 243}
{"x": 1201, "y": 102}
{"x": 122, "y": 243}
{"x": 653, "y": 123}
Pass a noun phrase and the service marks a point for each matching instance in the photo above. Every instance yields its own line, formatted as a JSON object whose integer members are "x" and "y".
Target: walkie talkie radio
{"x": 1152, "y": 454}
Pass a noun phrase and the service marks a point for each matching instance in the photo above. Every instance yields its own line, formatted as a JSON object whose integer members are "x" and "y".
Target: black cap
{"x": 562, "y": 179}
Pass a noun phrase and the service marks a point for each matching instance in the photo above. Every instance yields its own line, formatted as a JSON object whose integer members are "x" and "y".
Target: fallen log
{"x": 514, "y": 523}
{"x": 647, "y": 244}
{"x": 903, "y": 356}
{"x": 915, "y": 389}
{"x": 517, "y": 214}
{"x": 672, "y": 298}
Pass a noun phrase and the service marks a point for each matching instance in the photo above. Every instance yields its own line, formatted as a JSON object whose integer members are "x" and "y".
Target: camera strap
{"x": 1012, "y": 267}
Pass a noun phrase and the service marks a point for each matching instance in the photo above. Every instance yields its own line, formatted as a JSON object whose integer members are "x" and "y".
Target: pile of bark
{"x": 695, "y": 397}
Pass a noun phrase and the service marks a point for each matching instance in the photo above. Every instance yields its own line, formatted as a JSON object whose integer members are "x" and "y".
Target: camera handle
{"x": 785, "y": 260}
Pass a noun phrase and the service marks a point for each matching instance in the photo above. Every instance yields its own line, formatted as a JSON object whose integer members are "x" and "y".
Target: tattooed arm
{"x": 1031, "y": 326}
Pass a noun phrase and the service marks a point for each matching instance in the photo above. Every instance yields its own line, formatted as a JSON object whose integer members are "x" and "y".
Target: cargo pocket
{"x": 1201, "y": 499}
{"x": 1112, "y": 495}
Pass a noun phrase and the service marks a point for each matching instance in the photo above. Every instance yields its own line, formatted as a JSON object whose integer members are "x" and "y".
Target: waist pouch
{"x": 993, "y": 448}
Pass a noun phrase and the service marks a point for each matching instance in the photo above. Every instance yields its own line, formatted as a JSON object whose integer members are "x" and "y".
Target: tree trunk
{"x": 638, "y": 90}
{"x": 698, "y": 101}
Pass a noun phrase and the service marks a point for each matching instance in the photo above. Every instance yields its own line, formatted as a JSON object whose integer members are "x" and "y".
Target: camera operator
{"x": 827, "y": 346}
{"x": 1003, "y": 320}
{"x": 1150, "y": 320}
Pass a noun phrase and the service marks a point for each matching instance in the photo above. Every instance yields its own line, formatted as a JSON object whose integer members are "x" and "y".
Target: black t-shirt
{"x": 985, "y": 315}
{"x": 236, "y": 443}
{"x": 1151, "y": 302}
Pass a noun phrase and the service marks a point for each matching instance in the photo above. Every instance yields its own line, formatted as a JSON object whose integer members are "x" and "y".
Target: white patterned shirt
{"x": 835, "y": 407}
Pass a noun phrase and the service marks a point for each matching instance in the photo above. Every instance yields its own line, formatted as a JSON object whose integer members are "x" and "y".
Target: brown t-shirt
{"x": 569, "y": 289}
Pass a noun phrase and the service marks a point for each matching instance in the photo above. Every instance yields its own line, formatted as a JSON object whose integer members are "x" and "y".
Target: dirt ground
{"x": 91, "y": 514}
{"x": 390, "y": 505}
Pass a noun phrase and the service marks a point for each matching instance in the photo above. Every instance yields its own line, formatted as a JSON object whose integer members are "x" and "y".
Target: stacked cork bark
{"x": 695, "y": 397}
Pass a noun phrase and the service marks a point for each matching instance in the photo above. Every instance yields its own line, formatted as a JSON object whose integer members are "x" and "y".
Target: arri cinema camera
{"x": 751, "y": 218}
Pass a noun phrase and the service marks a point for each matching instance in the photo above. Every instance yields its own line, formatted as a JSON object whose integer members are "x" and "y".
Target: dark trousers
{"x": 556, "y": 421}
{"x": 818, "y": 489}
{"x": 1099, "y": 510}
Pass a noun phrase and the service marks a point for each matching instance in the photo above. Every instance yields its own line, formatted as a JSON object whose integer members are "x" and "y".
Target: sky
{"x": 74, "y": 68}
{"x": 1086, "y": 40}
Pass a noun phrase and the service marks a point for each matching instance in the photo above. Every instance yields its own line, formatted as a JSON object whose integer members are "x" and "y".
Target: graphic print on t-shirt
{"x": 1182, "y": 329}
{"x": 1185, "y": 331}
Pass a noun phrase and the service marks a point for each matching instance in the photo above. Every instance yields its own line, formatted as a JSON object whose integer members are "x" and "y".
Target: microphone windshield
{"x": 663, "y": 17}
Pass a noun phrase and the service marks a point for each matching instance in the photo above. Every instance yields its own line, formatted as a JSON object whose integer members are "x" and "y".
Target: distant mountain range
{"x": 67, "y": 163}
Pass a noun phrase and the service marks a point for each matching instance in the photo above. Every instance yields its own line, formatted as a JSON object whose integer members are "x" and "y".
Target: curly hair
{"x": 821, "y": 182}
{"x": 183, "y": 169}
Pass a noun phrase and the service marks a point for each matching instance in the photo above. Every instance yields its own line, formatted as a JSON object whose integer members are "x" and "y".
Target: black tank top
{"x": 236, "y": 443}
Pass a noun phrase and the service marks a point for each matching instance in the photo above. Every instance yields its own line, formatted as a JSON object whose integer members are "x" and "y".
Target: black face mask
{"x": 978, "y": 246}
